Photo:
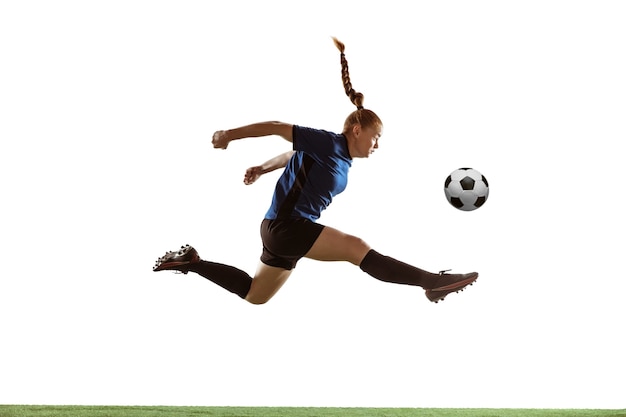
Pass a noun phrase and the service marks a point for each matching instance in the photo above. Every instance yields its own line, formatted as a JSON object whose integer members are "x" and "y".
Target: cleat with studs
{"x": 448, "y": 283}
{"x": 178, "y": 261}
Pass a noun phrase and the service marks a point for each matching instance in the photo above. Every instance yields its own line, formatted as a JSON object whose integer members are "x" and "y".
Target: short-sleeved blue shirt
{"x": 316, "y": 172}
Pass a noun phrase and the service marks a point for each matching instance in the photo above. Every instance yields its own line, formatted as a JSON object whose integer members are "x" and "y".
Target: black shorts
{"x": 286, "y": 241}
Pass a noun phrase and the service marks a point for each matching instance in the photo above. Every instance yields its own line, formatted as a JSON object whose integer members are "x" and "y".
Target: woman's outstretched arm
{"x": 254, "y": 173}
{"x": 222, "y": 138}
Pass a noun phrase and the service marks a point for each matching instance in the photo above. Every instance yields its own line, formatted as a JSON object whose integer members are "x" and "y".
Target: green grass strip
{"x": 148, "y": 411}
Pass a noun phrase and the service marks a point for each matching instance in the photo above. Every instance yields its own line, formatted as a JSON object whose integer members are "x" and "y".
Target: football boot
{"x": 448, "y": 283}
{"x": 178, "y": 260}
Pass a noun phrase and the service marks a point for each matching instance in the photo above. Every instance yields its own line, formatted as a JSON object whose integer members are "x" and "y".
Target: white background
{"x": 107, "y": 110}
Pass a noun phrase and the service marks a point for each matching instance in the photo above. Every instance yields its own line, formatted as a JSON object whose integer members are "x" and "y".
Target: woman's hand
{"x": 280, "y": 161}
{"x": 252, "y": 174}
{"x": 220, "y": 139}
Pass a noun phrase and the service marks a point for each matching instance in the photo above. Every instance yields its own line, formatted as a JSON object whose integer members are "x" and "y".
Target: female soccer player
{"x": 315, "y": 171}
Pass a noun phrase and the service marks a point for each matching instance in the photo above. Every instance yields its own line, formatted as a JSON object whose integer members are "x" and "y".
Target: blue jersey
{"x": 316, "y": 172}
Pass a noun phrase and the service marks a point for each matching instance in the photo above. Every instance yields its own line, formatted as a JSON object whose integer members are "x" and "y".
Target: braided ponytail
{"x": 355, "y": 97}
{"x": 361, "y": 116}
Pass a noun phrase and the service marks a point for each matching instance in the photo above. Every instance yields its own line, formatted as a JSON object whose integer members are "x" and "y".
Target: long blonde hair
{"x": 364, "y": 117}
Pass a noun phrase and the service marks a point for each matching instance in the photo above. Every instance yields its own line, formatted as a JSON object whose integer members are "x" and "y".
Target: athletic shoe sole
{"x": 174, "y": 260}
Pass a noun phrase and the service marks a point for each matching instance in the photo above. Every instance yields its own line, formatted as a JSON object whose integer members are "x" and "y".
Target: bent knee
{"x": 358, "y": 248}
{"x": 258, "y": 300}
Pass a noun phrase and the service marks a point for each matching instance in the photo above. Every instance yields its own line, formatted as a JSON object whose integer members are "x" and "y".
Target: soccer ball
{"x": 466, "y": 189}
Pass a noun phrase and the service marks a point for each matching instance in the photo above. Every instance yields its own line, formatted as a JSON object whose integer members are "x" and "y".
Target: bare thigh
{"x": 267, "y": 281}
{"x": 334, "y": 245}
{"x": 331, "y": 245}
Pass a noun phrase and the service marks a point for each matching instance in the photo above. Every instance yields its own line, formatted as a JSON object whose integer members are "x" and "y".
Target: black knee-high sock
{"x": 226, "y": 276}
{"x": 388, "y": 269}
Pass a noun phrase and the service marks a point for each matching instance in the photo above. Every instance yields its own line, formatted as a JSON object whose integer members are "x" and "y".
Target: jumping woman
{"x": 314, "y": 172}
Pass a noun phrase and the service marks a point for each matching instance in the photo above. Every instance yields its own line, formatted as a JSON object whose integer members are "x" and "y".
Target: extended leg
{"x": 334, "y": 245}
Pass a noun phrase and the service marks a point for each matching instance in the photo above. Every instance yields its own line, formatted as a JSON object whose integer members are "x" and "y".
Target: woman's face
{"x": 363, "y": 141}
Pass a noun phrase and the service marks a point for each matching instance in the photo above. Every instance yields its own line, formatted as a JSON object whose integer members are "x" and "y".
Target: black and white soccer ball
{"x": 466, "y": 189}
